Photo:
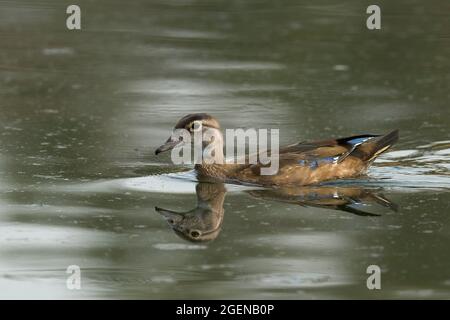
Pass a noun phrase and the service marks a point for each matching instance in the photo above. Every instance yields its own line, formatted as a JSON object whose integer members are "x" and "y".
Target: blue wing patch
{"x": 355, "y": 142}
{"x": 314, "y": 164}
{"x": 358, "y": 141}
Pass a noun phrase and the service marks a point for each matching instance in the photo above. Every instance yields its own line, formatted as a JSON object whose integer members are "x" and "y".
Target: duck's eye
{"x": 195, "y": 234}
{"x": 195, "y": 126}
{"x": 170, "y": 221}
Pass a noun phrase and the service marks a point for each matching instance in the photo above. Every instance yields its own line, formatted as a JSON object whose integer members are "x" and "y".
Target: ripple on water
{"x": 399, "y": 154}
{"x": 170, "y": 183}
{"x": 426, "y": 167}
{"x": 291, "y": 272}
{"x": 188, "y": 87}
{"x": 291, "y": 280}
{"x": 178, "y": 246}
{"x": 418, "y": 294}
{"x": 227, "y": 66}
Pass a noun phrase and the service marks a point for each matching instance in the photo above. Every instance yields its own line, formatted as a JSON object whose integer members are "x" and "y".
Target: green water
{"x": 81, "y": 113}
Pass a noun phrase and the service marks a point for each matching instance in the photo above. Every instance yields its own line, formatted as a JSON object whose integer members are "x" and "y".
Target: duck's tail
{"x": 371, "y": 149}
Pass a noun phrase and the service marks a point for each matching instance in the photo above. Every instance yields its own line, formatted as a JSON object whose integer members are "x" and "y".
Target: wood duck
{"x": 302, "y": 163}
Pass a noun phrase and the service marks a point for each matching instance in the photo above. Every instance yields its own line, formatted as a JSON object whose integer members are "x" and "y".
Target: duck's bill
{"x": 166, "y": 212}
{"x": 168, "y": 145}
{"x": 171, "y": 216}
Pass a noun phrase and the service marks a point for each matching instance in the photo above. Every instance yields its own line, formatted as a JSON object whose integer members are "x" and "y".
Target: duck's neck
{"x": 212, "y": 148}
{"x": 212, "y": 164}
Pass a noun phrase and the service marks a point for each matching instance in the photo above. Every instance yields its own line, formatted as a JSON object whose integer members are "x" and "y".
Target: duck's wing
{"x": 327, "y": 148}
{"x": 312, "y": 154}
{"x": 312, "y": 162}
{"x": 365, "y": 147}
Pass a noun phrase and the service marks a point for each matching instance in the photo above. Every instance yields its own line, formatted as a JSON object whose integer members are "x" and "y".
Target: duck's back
{"x": 308, "y": 163}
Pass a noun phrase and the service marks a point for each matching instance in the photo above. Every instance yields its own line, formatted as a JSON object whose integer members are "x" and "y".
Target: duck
{"x": 300, "y": 164}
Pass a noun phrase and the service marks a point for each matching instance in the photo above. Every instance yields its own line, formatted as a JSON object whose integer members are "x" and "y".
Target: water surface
{"x": 82, "y": 111}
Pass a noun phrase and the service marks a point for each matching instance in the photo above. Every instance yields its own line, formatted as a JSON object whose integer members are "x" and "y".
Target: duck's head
{"x": 194, "y": 122}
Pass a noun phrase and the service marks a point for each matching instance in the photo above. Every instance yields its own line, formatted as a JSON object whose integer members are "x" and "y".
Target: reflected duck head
{"x": 203, "y": 223}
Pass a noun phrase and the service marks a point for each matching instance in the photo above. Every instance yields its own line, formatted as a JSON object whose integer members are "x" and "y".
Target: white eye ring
{"x": 196, "y": 126}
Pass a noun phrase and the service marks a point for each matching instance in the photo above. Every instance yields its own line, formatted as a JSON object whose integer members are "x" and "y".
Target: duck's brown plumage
{"x": 302, "y": 163}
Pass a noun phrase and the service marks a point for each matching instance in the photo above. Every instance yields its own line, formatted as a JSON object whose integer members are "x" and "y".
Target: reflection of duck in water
{"x": 203, "y": 223}
{"x": 349, "y": 199}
